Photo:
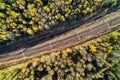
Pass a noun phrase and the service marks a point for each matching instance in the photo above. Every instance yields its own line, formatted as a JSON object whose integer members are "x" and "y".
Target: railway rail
{"x": 79, "y": 35}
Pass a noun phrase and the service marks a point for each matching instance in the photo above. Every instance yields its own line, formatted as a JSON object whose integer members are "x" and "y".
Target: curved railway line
{"x": 78, "y": 35}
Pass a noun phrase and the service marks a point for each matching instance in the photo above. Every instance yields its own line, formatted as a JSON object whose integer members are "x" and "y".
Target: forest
{"x": 98, "y": 59}
{"x": 25, "y": 18}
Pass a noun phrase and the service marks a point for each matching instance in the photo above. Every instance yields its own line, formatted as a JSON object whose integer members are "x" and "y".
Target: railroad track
{"x": 81, "y": 34}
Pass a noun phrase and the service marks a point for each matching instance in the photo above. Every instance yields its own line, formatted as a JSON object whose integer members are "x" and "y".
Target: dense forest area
{"x": 95, "y": 60}
{"x": 24, "y": 18}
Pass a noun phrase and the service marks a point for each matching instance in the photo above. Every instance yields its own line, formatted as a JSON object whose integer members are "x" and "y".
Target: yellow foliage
{"x": 62, "y": 19}
{"x": 35, "y": 28}
{"x": 109, "y": 49}
{"x": 13, "y": 13}
{"x": 2, "y": 15}
{"x": 69, "y": 50}
{"x": 46, "y": 8}
{"x": 8, "y": 20}
{"x": 115, "y": 35}
{"x": 33, "y": 11}
{"x": 24, "y": 29}
{"x": 104, "y": 49}
{"x": 32, "y": 71}
{"x": 57, "y": 16}
{"x": 80, "y": 6}
{"x": 95, "y": 43}
{"x": 3, "y": 37}
{"x": 64, "y": 51}
{"x": 84, "y": 11}
{"x": 39, "y": 2}
{"x": 56, "y": 53}
{"x": 88, "y": 9}
{"x": 24, "y": 22}
{"x": 66, "y": 15}
{"x": 24, "y": 69}
{"x": 102, "y": 44}
{"x": 99, "y": 0}
{"x": 31, "y": 22}
{"x": 93, "y": 48}
{"x": 30, "y": 31}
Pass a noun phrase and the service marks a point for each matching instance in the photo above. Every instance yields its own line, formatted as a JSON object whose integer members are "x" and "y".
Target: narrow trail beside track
{"x": 78, "y": 35}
